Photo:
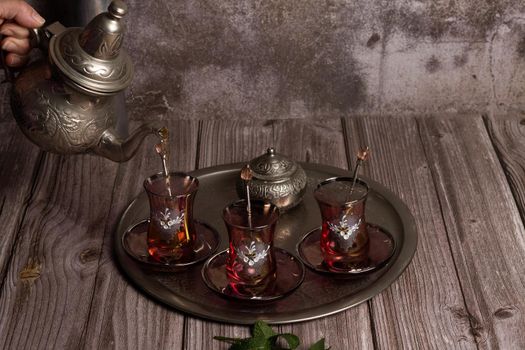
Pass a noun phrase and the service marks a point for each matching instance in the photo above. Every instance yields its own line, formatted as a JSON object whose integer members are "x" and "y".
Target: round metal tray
{"x": 319, "y": 295}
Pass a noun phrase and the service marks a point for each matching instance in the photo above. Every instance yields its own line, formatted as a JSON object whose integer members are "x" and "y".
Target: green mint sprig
{"x": 264, "y": 338}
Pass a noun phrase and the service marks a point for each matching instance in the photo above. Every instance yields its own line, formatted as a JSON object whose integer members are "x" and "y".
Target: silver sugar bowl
{"x": 276, "y": 179}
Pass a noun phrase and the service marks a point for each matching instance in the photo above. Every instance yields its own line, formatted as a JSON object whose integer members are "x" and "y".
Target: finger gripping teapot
{"x": 66, "y": 103}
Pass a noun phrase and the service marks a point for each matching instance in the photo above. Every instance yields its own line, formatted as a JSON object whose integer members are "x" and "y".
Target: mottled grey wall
{"x": 315, "y": 59}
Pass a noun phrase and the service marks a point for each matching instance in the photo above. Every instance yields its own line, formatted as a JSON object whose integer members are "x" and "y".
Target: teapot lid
{"x": 91, "y": 59}
{"x": 272, "y": 166}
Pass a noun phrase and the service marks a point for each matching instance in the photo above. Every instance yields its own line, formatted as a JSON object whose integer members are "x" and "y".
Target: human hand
{"x": 16, "y": 18}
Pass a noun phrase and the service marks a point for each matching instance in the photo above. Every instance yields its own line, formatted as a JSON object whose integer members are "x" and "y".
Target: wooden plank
{"x": 121, "y": 316}
{"x": 19, "y": 160}
{"x": 424, "y": 307}
{"x": 507, "y": 135}
{"x": 485, "y": 230}
{"x": 198, "y": 334}
{"x": 224, "y": 142}
{"x": 49, "y": 284}
{"x": 323, "y": 142}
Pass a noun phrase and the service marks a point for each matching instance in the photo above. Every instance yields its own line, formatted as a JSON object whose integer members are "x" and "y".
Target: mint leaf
{"x": 265, "y": 338}
{"x": 291, "y": 339}
{"x": 262, "y": 330}
{"x": 319, "y": 345}
{"x": 227, "y": 339}
{"x": 259, "y": 343}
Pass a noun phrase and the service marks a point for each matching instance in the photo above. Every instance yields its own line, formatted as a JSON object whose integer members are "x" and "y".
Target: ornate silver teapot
{"x": 66, "y": 103}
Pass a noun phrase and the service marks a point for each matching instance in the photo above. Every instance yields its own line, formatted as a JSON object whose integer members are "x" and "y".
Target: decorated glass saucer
{"x": 289, "y": 275}
{"x": 134, "y": 242}
{"x": 381, "y": 248}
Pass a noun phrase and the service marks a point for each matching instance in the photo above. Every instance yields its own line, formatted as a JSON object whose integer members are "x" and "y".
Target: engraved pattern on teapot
{"x": 86, "y": 64}
{"x": 60, "y": 124}
{"x": 110, "y": 44}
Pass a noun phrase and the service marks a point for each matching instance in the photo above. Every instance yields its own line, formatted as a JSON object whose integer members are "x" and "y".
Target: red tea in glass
{"x": 344, "y": 237}
{"x": 251, "y": 265}
{"x": 171, "y": 232}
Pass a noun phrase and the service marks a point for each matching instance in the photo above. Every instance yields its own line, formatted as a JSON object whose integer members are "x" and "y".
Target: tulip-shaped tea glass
{"x": 344, "y": 237}
{"x": 251, "y": 264}
{"x": 171, "y": 231}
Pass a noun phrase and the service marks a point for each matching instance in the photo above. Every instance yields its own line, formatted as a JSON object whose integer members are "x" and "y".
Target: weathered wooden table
{"x": 462, "y": 178}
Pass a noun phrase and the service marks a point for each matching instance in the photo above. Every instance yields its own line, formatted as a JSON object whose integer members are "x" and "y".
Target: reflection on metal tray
{"x": 318, "y": 296}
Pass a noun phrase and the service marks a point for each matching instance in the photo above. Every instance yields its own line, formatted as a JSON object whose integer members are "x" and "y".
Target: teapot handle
{"x": 38, "y": 38}
{"x": 35, "y": 40}
{"x": 9, "y": 75}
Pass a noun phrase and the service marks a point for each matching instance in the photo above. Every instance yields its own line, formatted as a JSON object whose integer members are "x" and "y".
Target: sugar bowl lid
{"x": 91, "y": 58}
{"x": 272, "y": 166}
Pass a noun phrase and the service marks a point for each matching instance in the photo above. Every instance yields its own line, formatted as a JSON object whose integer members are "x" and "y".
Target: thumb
{"x": 20, "y": 12}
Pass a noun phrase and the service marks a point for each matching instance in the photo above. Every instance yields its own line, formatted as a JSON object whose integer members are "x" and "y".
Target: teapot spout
{"x": 112, "y": 147}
